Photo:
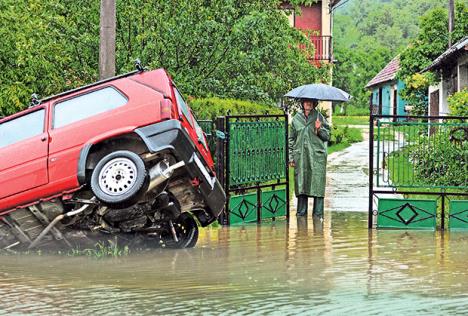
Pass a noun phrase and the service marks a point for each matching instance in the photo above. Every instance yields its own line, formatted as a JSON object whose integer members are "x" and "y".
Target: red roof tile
{"x": 386, "y": 74}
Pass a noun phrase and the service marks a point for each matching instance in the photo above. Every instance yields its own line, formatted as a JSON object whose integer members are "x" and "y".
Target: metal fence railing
{"x": 209, "y": 130}
{"x": 411, "y": 157}
{"x": 252, "y": 164}
{"x": 422, "y": 154}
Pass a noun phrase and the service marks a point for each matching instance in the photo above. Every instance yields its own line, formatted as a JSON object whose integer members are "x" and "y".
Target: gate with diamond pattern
{"x": 396, "y": 144}
{"x": 252, "y": 164}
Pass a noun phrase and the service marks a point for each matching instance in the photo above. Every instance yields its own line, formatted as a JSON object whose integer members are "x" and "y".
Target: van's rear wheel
{"x": 119, "y": 179}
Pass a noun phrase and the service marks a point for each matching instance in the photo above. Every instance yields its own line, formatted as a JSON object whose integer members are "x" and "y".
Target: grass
{"x": 350, "y": 120}
{"x": 384, "y": 134}
{"x": 338, "y": 147}
{"x": 109, "y": 249}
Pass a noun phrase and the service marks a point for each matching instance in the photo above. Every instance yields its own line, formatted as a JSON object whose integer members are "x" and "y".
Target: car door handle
{"x": 43, "y": 138}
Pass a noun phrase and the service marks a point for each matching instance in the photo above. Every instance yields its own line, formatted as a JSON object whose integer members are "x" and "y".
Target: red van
{"x": 123, "y": 155}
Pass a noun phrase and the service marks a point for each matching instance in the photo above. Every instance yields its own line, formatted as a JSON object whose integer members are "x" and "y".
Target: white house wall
{"x": 462, "y": 75}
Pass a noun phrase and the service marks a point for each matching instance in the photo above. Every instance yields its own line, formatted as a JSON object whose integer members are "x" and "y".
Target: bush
{"x": 345, "y": 134}
{"x": 440, "y": 161}
{"x": 210, "y": 108}
{"x": 458, "y": 103}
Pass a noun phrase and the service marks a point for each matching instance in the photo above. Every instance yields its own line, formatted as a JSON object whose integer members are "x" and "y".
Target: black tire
{"x": 187, "y": 232}
{"x": 119, "y": 179}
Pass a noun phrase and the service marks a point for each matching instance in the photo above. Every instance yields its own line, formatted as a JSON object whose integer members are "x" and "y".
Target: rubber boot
{"x": 318, "y": 207}
{"x": 302, "y": 204}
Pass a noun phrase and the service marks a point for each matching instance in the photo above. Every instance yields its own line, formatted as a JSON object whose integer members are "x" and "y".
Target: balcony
{"x": 323, "y": 47}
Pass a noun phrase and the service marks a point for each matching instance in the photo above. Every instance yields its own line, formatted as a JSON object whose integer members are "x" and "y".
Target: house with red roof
{"x": 386, "y": 91}
{"x": 316, "y": 21}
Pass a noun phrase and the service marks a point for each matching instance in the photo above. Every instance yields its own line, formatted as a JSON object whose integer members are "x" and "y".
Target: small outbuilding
{"x": 452, "y": 68}
{"x": 386, "y": 91}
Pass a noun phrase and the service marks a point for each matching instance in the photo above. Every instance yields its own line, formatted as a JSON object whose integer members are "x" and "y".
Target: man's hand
{"x": 292, "y": 164}
{"x": 318, "y": 124}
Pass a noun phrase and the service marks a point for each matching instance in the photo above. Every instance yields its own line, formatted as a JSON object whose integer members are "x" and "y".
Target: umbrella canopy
{"x": 319, "y": 91}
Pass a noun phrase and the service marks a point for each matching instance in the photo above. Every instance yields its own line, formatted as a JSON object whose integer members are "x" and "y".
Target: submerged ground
{"x": 335, "y": 267}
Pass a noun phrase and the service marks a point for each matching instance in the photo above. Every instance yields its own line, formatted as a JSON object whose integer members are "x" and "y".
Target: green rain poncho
{"x": 309, "y": 152}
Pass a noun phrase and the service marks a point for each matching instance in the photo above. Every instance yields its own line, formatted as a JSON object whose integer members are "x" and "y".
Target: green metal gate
{"x": 252, "y": 164}
{"x": 408, "y": 160}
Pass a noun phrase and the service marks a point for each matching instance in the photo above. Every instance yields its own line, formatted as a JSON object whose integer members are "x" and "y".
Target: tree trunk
{"x": 107, "y": 40}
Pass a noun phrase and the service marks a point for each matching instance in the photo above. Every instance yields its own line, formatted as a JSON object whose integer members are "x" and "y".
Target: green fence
{"x": 407, "y": 214}
{"x": 257, "y": 152}
{"x": 209, "y": 130}
{"x": 253, "y": 166}
{"x": 458, "y": 215}
{"x": 423, "y": 162}
{"x": 422, "y": 154}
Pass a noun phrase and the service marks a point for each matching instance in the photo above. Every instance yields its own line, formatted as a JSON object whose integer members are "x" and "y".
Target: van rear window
{"x": 87, "y": 105}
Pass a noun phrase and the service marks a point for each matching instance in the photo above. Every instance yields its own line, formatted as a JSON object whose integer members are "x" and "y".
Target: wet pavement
{"x": 336, "y": 267}
{"x": 347, "y": 179}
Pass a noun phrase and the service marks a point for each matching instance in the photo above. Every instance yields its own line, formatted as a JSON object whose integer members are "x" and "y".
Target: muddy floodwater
{"x": 301, "y": 267}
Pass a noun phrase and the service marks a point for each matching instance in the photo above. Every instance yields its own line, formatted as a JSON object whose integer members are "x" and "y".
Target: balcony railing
{"x": 323, "y": 49}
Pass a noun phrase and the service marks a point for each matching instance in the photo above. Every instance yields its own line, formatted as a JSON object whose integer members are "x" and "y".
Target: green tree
{"x": 432, "y": 41}
{"x": 226, "y": 48}
{"x": 44, "y": 48}
{"x": 370, "y": 33}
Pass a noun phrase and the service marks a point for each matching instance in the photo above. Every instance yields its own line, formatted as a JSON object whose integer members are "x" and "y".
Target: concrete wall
{"x": 326, "y": 18}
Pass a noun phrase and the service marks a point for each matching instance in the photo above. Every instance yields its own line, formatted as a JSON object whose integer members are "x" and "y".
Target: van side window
{"x": 87, "y": 105}
{"x": 183, "y": 106}
{"x": 22, "y": 128}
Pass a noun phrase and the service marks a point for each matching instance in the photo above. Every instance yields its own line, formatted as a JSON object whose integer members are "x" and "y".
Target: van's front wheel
{"x": 119, "y": 179}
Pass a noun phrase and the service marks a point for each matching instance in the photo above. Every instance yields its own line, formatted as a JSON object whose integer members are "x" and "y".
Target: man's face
{"x": 308, "y": 106}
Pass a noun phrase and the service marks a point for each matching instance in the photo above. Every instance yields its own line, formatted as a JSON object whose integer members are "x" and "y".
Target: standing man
{"x": 308, "y": 139}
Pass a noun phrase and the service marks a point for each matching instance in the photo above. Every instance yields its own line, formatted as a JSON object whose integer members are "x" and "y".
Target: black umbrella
{"x": 319, "y": 91}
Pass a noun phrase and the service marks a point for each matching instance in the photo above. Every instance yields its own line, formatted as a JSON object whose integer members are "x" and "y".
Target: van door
{"x": 23, "y": 152}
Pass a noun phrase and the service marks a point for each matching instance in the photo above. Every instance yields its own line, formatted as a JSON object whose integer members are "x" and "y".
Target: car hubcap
{"x": 118, "y": 176}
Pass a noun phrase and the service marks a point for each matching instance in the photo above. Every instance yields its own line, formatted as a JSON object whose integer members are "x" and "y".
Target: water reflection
{"x": 305, "y": 266}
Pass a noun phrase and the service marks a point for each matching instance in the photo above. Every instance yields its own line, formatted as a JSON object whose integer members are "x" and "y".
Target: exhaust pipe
{"x": 161, "y": 172}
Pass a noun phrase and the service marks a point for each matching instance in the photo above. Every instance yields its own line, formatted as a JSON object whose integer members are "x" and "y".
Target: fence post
{"x": 221, "y": 166}
{"x": 286, "y": 133}
{"x": 371, "y": 165}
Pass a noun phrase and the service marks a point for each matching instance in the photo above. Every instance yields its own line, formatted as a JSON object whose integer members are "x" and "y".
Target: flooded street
{"x": 335, "y": 268}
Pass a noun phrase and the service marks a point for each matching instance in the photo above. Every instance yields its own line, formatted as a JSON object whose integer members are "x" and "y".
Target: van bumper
{"x": 169, "y": 136}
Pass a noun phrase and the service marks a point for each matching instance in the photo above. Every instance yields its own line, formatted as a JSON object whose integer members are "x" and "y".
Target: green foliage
{"x": 225, "y": 48}
{"x": 344, "y": 134}
{"x": 368, "y": 34}
{"x": 415, "y": 91}
{"x": 432, "y": 41}
{"x": 46, "y": 47}
{"x": 458, "y": 103}
{"x": 210, "y": 108}
{"x": 441, "y": 165}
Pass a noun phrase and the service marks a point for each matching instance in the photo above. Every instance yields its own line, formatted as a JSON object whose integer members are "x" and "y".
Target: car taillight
{"x": 166, "y": 109}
